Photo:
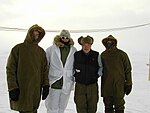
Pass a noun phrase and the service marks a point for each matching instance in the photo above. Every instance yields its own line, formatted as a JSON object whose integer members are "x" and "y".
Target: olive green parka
{"x": 116, "y": 70}
{"x": 27, "y": 70}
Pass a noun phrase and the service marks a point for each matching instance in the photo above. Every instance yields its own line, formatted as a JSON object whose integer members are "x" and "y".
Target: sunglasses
{"x": 64, "y": 38}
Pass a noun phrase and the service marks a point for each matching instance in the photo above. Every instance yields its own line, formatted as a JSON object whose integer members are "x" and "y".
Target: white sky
{"x": 77, "y": 15}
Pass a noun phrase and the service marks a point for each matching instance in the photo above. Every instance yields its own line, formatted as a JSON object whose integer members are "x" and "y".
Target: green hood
{"x": 110, "y": 37}
{"x": 29, "y": 37}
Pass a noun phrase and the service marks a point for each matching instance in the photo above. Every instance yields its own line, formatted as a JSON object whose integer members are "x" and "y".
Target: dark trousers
{"x": 86, "y": 98}
{"x": 114, "y": 105}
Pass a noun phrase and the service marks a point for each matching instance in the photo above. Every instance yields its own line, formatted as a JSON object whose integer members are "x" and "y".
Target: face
{"x": 109, "y": 44}
{"x": 36, "y": 33}
{"x": 65, "y": 39}
{"x": 86, "y": 47}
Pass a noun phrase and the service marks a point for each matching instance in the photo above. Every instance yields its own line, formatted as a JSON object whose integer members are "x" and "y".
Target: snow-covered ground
{"x": 137, "y": 102}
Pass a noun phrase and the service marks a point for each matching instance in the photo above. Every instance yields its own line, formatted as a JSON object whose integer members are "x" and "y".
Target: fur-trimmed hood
{"x": 59, "y": 43}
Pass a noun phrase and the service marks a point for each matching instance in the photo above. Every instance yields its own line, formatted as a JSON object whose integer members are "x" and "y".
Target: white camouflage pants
{"x": 57, "y": 101}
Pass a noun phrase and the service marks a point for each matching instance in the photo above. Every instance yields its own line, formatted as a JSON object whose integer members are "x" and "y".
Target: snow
{"x": 137, "y": 102}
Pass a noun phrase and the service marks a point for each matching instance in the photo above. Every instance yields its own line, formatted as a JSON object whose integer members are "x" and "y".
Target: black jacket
{"x": 86, "y": 67}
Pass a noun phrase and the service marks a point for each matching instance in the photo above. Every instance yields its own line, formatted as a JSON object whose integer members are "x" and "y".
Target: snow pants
{"x": 114, "y": 105}
{"x": 86, "y": 98}
{"x": 57, "y": 101}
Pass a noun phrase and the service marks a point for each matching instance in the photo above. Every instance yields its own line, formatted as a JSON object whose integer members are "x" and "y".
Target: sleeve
{"x": 100, "y": 66}
{"x": 48, "y": 54}
{"x": 45, "y": 71}
{"x": 127, "y": 68}
{"x": 11, "y": 69}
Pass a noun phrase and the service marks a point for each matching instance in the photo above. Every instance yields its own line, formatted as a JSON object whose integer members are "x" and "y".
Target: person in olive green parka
{"x": 116, "y": 80}
{"x": 27, "y": 73}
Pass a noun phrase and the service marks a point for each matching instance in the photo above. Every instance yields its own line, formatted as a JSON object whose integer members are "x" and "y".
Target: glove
{"x": 128, "y": 89}
{"x": 14, "y": 94}
{"x": 45, "y": 92}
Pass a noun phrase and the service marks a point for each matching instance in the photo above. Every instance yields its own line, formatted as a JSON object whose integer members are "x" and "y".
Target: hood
{"x": 65, "y": 33}
{"x": 110, "y": 37}
{"x": 29, "y": 37}
{"x": 59, "y": 43}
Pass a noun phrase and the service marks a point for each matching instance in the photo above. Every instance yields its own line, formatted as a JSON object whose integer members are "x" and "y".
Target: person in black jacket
{"x": 88, "y": 67}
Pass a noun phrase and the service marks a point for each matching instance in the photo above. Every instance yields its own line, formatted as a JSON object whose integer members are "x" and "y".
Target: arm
{"x": 100, "y": 66}
{"x": 128, "y": 77}
{"x": 45, "y": 71}
{"x": 127, "y": 68}
{"x": 11, "y": 69}
{"x": 45, "y": 84}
